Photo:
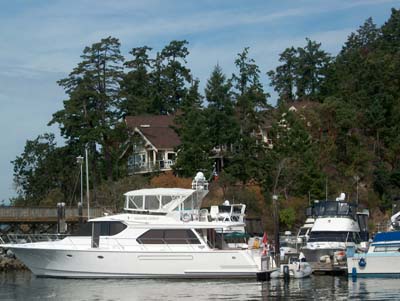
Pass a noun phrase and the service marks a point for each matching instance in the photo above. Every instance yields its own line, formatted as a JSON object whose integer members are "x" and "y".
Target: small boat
{"x": 294, "y": 269}
{"x": 382, "y": 258}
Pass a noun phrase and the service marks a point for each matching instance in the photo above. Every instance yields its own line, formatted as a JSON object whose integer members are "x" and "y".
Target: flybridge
{"x": 165, "y": 200}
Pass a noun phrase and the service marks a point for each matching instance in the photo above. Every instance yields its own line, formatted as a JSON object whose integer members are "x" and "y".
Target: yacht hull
{"x": 376, "y": 265}
{"x": 96, "y": 263}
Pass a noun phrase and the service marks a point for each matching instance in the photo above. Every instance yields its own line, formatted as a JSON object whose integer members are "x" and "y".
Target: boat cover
{"x": 387, "y": 236}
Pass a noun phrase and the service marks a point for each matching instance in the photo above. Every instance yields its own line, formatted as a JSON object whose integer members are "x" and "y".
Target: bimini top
{"x": 162, "y": 200}
{"x": 387, "y": 236}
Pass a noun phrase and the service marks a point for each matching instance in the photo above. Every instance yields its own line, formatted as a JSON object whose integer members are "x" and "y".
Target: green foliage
{"x": 43, "y": 168}
{"x": 302, "y": 74}
{"x": 250, "y": 100}
{"x": 287, "y": 216}
{"x": 193, "y": 153}
{"x": 136, "y": 87}
{"x": 93, "y": 88}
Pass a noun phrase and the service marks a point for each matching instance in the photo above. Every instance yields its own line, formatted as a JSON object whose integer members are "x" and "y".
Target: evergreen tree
{"x": 194, "y": 151}
{"x": 284, "y": 78}
{"x": 250, "y": 102}
{"x": 90, "y": 113}
{"x": 220, "y": 112}
{"x": 311, "y": 70}
{"x": 136, "y": 88}
{"x": 171, "y": 76}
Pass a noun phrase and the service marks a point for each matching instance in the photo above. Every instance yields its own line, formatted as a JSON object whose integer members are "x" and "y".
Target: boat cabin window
{"x": 303, "y": 231}
{"x": 170, "y": 236}
{"x": 387, "y": 248}
{"x": 309, "y": 211}
{"x": 107, "y": 228}
{"x": 334, "y": 208}
{"x": 339, "y": 236}
{"x": 223, "y": 208}
{"x": 152, "y": 202}
{"x": 343, "y": 209}
{"x": 136, "y": 202}
{"x": 331, "y": 208}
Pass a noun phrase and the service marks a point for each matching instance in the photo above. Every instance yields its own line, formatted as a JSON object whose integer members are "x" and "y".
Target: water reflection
{"x": 24, "y": 286}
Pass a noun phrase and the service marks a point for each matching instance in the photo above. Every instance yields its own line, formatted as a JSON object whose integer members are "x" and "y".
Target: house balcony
{"x": 148, "y": 167}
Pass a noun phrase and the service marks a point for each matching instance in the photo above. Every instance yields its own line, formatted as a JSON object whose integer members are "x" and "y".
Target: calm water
{"x": 25, "y": 286}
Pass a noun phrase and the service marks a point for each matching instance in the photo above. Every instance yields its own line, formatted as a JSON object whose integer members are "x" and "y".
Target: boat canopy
{"x": 387, "y": 236}
{"x": 162, "y": 199}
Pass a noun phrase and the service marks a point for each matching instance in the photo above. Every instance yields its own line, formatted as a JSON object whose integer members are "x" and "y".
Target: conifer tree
{"x": 90, "y": 113}
{"x": 194, "y": 151}
{"x": 135, "y": 87}
{"x": 220, "y": 113}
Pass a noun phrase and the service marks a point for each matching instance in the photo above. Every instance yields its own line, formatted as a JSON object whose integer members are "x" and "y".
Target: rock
{"x": 10, "y": 264}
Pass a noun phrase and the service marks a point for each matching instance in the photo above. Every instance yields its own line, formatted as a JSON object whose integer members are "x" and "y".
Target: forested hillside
{"x": 334, "y": 128}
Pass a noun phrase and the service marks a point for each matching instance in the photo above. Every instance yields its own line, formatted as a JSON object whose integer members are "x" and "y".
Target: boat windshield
{"x": 161, "y": 200}
{"x": 338, "y": 236}
{"x": 334, "y": 208}
{"x": 303, "y": 231}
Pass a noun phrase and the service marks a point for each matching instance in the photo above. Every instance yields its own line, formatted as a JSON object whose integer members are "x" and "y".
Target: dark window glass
{"x": 224, "y": 209}
{"x": 152, "y": 237}
{"x": 116, "y": 227}
{"x": 180, "y": 237}
{"x": 331, "y": 208}
{"x": 104, "y": 229}
{"x": 237, "y": 209}
{"x": 171, "y": 236}
{"x": 338, "y": 236}
{"x": 83, "y": 230}
{"x": 303, "y": 231}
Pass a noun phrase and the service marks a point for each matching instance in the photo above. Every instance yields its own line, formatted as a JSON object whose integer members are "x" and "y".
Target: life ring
{"x": 362, "y": 263}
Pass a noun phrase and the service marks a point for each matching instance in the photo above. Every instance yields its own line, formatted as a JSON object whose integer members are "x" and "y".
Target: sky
{"x": 42, "y": 40}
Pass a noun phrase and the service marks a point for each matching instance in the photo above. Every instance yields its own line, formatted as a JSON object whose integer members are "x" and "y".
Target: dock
{"x": 31, "y": 220}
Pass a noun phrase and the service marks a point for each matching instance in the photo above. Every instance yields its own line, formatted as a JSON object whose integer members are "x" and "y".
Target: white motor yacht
{"x": 336, "y": 227}
{"x": 162, "y": 234}
{"x": 304, "y": 232}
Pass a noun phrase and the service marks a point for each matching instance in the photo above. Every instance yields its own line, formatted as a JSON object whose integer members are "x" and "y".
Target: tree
{"x": 221, "y": 122}
{"x": 90, "y": 113}
{"x": 43, "y": 168}
{"x": 250, "y": 102}
{"x": 311, "y": 70}
{"x": 136, "y": 85}
{"x": 283, "y": 79}
{"x": 170, "y": 77}
{"x": 193, "y": 153}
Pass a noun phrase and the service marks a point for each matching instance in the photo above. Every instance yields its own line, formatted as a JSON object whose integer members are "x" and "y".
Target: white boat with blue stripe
{"x": 381, "y": 260}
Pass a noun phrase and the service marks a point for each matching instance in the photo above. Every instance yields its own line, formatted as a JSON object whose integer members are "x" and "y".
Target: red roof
{"x": 156, "y": 128}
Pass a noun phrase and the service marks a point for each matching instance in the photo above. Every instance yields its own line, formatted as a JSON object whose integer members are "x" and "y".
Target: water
{"x": 25, "y": 286}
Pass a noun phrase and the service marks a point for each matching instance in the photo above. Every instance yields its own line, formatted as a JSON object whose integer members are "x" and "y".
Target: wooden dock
{"x": 42, "y": 214}
{"x": 40, "y": 219}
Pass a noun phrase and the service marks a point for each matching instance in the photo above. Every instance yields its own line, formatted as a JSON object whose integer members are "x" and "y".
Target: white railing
{"x": 142, "y": 167}
{"x": 79, "y": 243}
{"x": 29, "y": 238}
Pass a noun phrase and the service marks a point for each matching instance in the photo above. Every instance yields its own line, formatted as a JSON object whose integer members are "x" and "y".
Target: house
{"x": 153, "y": 142}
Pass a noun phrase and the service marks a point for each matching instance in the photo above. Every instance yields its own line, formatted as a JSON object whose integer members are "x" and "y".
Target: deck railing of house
{"x": 145, "y": 167}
